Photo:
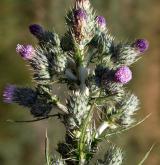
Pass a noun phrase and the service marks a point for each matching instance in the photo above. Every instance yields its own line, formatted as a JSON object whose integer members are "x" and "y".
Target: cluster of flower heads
{"x": 70, "y": 60}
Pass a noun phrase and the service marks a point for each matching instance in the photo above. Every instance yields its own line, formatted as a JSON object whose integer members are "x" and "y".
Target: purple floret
{"x": 80, "y": 14}
{"x": 123, "y": 75}
{"x": 36, "y": 30}
{"x": 26, "y": 51}
{"x": 8, "y": 94}
{"x": 101, "y": 21}
{"x": 142, "y": 45}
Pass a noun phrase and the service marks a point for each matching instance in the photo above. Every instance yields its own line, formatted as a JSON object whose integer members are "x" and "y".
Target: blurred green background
{"x": 23, "y": 144}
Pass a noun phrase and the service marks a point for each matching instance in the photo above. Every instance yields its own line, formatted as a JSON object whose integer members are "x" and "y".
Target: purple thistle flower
{"x": 36, "y": 30}
{"x": 101, "y": 22}
{"x": 26, "y": 51}
{"x": 80, "y": 15}
{"x": 123, "y": 75}
{"x": 142, "y": 45}
{"x": 79, "y": 24}
{"x": 8, "y": 94}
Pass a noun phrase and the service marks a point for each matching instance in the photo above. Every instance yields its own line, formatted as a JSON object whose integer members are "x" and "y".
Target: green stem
{"x": 79, "y": 56}
{"x": 81, "y": 145}
{"x": 82, "y": 75}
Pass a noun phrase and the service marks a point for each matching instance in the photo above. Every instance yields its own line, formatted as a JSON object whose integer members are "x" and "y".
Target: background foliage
{"x": 23, "y": 144}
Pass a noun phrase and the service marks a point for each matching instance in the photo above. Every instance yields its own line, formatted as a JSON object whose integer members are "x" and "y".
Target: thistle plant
{"x": 95, "y": 69}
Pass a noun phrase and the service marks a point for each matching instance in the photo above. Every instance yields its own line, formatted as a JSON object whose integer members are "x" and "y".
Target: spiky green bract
{"x": 40, "y": 67}
{"x": 124, "y": 55}
{"x": 121, "y": 113}
{"x": 44, "y": 103}
{"x": 103, "y": 42}
{"x": 78, "y": 108}
{"x": 60, "y": 61}
{"x": 129, "y": 105}
{"x": 55, "y": 55}
{"x": 114, "y": 156}
{"x": 113, "y": 88}
{"x": 48, "y": 60}
{"x": 114, "y": 55}
{"x": 49, "y": 38}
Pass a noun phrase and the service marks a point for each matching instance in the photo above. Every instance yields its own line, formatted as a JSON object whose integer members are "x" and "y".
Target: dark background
{"x": 23, "y": 144}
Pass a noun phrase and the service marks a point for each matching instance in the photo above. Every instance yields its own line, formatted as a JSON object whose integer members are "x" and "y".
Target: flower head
{"x": 8, "y": 94}
{"x": 23, "y": 96}
{"x": 36, "y": 30}
{"x": 101, "y": 22}
{"x": 123, "y": 75}
{"x": 142, "y": 45}
{"x": 80, "y": 24}
{"x": 26, "y": 51}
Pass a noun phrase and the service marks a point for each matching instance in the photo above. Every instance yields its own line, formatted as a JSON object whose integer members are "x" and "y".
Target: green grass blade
{"x": 47, "y": 154}
{"x": 146, "y": 155}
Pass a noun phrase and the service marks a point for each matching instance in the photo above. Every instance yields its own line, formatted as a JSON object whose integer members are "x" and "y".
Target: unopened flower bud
{"x": 36, "y": 30}
{"x": 141, "y": 45}
{"x": 22, "y": 96}
{"x": 101, "y": 22}
{"x": 123, "y": 75}
{"x": 26, "y": 51}
{"x": 9, "y": 93}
